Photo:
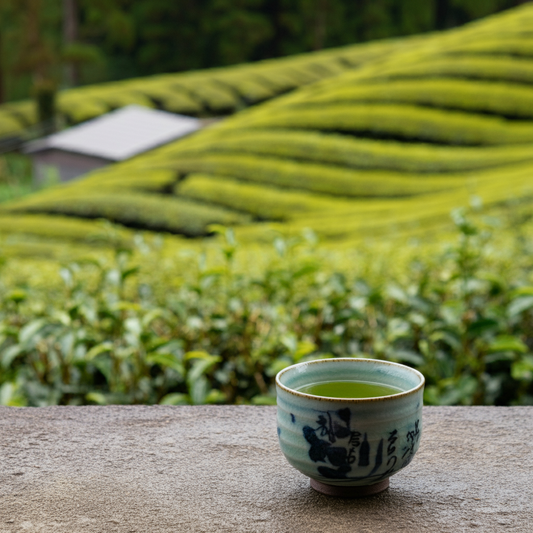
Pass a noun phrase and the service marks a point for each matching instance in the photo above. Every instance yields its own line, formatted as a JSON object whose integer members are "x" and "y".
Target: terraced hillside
{"x": 391, "y": 146}
{"x": 205, "y": 93}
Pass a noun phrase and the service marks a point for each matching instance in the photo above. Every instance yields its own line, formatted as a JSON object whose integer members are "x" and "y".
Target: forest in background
{"x": 67, "y": 43}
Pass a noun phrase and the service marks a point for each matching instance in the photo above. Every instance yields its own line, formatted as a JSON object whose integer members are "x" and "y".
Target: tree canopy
{"x": 73, "y": 42}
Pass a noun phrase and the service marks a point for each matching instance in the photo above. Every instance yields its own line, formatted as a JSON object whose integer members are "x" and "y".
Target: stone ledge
{"x": 219, "y": 469}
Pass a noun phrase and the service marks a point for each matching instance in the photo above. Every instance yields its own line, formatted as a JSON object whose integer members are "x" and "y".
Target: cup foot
{"x": 349, "y": 492}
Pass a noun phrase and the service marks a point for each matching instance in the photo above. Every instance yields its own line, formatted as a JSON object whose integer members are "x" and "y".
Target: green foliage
{"x": 355, "y": 152}
{"x": 216, "y": 97}
{"x": 264, "y": 203}
{"x": 136, "y": 326}
{"x": 409, "y": 122}
{"x": 215, "y": 333}
{"x": 79, "y": 109}
{"x": 81, "y": 53}
{"x": 113, "y": 30}
{"x": 506, "y": 45}
{"x": 331, "y": 180}
{"x": 496, "y": 98}
{"x": 24, "y": 112}
{"x": 115, "y": 180}
{"x": 496, "y": 67}
{"x": 112, "y": 95}
{"x": 15, "y": 177}
{"x": 168, "y": 97}
{"x": 154, "y": 212}
{"x": 62, "y": 228}
{"x": 9, "y": 125}
{"x": 205, "y": 93}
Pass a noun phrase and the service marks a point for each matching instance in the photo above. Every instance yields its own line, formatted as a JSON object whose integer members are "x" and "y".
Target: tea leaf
{"x": 95, "y": 351}
{"x": 522, "y": 370}
{"x": 201, "y": 367}
{"x": 264, "y": 400}
{"x": 174, "y": 398}
{"x": 96, "y": 397}
{"x": 505, "y": 343}
{"x": 519, "y": 305}
{"x": 9, "y": 355}
{"x": 167, "y": 360}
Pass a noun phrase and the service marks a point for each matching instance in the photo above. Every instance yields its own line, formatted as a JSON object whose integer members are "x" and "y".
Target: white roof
{"x": 119, "y": 135}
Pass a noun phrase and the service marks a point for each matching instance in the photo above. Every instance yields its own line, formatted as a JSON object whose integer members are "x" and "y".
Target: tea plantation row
{"x": 205, "y": 93}
{"x": 393, "y": 145}
{"x": 139, "y": 329}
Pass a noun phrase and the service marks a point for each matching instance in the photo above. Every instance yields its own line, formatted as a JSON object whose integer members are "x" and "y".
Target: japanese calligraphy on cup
{"x": 349, "y": 442}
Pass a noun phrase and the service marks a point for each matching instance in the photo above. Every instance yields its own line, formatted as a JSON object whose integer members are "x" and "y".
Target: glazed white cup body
{"x": 349, "y": 442}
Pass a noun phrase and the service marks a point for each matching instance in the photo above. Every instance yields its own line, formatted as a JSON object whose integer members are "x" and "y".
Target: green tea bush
{"x": 487, "y": 97}
{"x": 203, "y": 93}
{"x": 264, "y": 203}
{"x": 77, "y": 107}
{"x": 24, "y": 111}
{"x": 9, "y": 125}
{"x": 402, "y": 121}
{"x": 212, "y": 332}
{"x": 156, "y": 212}
{"x": 112, "y": 179}
{"x": 171, "y": 99}
{"x": 112, "y": 96}
{"x": 225, "y": 90}
{"x": 63, "y": 228}
{"x": 355, "y": 152}
{"x": 312, "y": 177}
{"x": 216, "y": 97}
{"x": 251, "y": 90}
{"x": 372, "y": 148}
{"x": 506, "y": 45}
{"x": 469, "y": 66}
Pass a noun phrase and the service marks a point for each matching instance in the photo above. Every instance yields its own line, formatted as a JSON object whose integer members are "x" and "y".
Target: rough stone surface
{"x": 219, "y": 469}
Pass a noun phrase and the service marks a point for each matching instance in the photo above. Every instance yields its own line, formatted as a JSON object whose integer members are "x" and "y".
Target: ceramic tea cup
{"x": 349, "y": 446}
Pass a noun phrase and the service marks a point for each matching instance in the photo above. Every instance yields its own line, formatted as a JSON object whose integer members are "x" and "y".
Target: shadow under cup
{"x": 349, "y": 446}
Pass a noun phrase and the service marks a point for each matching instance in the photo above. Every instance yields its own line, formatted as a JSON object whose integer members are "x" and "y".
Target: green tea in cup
{"x": 349, "y": 424}
{"x": 349, "y": 389}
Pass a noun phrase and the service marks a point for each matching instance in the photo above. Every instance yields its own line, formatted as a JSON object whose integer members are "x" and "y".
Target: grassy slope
{"x": 390, "y": 147}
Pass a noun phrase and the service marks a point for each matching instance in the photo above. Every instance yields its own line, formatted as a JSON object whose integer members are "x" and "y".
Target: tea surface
{"x": 349, "y": 389}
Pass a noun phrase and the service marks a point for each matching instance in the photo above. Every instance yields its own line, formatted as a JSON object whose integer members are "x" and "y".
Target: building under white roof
{"x": 116, "y": 136}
